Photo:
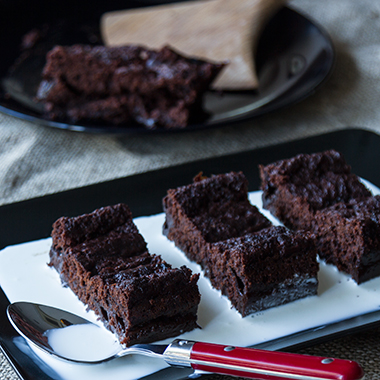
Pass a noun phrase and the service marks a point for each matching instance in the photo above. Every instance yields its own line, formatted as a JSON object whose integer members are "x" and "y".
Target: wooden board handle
{"x": 216, "y": 30}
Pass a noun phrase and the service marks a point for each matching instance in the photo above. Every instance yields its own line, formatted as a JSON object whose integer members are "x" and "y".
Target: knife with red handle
{"x": 259, "y": 364}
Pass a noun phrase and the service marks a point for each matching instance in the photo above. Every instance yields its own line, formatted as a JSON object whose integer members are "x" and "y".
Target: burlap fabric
{"x": 35, "y": 161}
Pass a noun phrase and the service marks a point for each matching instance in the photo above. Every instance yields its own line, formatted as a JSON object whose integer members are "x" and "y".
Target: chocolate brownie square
{"x": 268, "y": 268}
{"x": 104, "y": 260}
{"x": 318, "y": 192}
{"x": 252, "y": 262}
{"x": 349, "y": 237}
{"x": 210, "y": 210}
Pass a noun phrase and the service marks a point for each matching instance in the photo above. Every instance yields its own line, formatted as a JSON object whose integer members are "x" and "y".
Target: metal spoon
{"x": 37, "y": 322}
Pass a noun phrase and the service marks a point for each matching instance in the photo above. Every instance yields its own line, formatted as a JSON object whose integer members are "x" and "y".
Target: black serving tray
{"x": 32, "y": 219}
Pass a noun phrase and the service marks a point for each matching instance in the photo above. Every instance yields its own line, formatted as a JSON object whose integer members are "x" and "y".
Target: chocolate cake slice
{"x": 103, "y": 258}
{"x": 295, "y": 188}
{"x": 319, "y": 193}
{"x": 124, "y": 85}
{"x": 210, "y": 210}
{"x": 268, "y": 268}
{"x": 251, "y": 261}
{"x": 349, "y": 237}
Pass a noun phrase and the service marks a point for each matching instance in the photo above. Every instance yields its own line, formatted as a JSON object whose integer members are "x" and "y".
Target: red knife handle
{"x": 270, "y": 365}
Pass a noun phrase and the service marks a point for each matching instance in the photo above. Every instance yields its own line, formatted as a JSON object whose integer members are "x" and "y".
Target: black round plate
{"x": 294, "y": 56}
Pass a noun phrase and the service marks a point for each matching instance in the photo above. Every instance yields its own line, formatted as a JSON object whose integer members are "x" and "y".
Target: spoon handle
{"x": 268, "y": 365}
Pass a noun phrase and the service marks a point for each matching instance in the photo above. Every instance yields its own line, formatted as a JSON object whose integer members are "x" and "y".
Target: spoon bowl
{"x": 70, "y": 337}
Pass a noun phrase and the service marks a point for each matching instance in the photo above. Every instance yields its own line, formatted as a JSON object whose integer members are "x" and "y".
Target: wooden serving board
{"x": 216, "y": 30}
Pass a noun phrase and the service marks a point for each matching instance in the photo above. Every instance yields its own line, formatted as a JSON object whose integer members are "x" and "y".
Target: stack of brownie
{"x": 318, "y": 192}
{"x": 124, "y": 85}
{"x": 255, "y": 264}
{"x": 103, "y": 258}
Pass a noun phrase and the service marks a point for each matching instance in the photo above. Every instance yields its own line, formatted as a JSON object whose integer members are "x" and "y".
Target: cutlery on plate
{"x": 38, "y": 323}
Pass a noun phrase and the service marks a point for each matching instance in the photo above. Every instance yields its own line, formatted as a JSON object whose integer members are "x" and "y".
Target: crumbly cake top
{"x": 145, "y": 267}
{"x": 322, "y": 179}
{"x": 109, "y": 229}
{"x": 269, "y": 243}
{"x": 358, "y": 209}
{"x": 264, "y": 253}
{"x": 102, "y": 71}
{"x": 219, "y": 206}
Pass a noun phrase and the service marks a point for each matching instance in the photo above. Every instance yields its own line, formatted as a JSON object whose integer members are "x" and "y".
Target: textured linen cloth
{"x": 35, "y": 160}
